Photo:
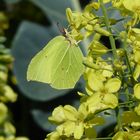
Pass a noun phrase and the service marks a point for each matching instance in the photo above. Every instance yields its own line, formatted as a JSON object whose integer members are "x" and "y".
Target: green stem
{"x": 126, "y": 56}
{"x": 112, "y": 41}
{"x": 127, "y": 96}
{"x": 85, "y": 42}
{"x": 129, "y": 69}
{"x": 114, "y": 51}
{"x": 119, "y": 119}
{"x": 126, "y": 103}
{"x": 94, "y": 66}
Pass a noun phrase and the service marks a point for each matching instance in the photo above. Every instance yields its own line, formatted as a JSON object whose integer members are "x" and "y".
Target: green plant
{"x": 111, "y": 75}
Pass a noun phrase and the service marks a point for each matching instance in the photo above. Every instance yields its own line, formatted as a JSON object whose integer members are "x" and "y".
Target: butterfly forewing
{"x": 40, "y": 67}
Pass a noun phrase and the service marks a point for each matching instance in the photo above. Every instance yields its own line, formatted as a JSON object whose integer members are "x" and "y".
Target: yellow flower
{"x": 124, "y": 135}
{"x": 134, "y": 7}
{"x": 98, "y": 102}
{"x": 70, "y": 123}
{"x": 117, "y": 3}
{"x": 106, "y": 1}
{"x": 73, "y": 123}
{"x": 137, "y": 91}
{"x": 136, "y": 73}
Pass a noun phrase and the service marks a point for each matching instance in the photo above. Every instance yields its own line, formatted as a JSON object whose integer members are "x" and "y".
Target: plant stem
{"x": 112, "y": 41}
{"x": 126, "y": 55}
{"x": 85, "y": 42}
{"x": 114, "y": 51}
{"x": 119, "y": 118}
{"x": 126, "y": 103}
{"x": 94, "y": 66}
{"x": 127, "y": 96}
{"x": 127, "y": 59}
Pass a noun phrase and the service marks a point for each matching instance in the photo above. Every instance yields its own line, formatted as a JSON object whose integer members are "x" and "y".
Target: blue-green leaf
{"x": 55, "y": 10}
{"x": 41, "y": 118}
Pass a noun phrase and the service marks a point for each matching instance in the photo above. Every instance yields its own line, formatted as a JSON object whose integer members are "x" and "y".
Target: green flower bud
{"x": 101, "y": 31}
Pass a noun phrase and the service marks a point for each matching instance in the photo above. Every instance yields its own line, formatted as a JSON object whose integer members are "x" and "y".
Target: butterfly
{"x": 59, "y": 64}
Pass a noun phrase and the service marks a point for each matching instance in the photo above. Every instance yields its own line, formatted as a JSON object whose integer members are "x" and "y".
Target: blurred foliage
{"x": 7, "y": 94}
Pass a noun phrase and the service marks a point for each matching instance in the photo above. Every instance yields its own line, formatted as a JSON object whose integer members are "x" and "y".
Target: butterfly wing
{"x": 40, "y": 67}
{"x": 58, "y": 64}
{"x": 69, "y": 69}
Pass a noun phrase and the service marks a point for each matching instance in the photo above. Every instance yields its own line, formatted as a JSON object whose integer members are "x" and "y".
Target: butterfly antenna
{"x": 61, "y": 29}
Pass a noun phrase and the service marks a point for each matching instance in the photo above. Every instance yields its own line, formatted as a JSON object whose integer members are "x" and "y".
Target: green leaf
{"x": 59, "y": 64}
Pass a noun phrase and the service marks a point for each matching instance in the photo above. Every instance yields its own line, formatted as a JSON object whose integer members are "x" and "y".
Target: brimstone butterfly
{"x": 59, "y": 64}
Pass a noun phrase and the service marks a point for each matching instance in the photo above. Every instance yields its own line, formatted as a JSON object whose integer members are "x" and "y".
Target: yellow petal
{"x": 58, "y": 115}
{"x": 136, "y": 72}
{"x": 53, "y": 136}
{"x": 78, "y": 131}
{"x": 137, "y": 109}
{"x": 137, "y": 91}
{"x": 110, "y": 100}
{"x": 131, "y": 5}
{"x": 94, "y": 82}
{"x": 113, "y": 85}
{"x": 70, "y": 112}
{"x": 66, "y": 128}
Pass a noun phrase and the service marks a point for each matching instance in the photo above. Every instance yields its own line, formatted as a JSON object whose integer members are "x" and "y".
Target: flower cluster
{"x": 73, "y": 124}
{"x": 109, "y": 74}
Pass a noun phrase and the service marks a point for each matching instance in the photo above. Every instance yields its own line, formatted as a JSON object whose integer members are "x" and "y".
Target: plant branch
{"x": 112, "y": 41}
